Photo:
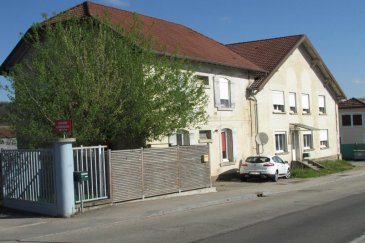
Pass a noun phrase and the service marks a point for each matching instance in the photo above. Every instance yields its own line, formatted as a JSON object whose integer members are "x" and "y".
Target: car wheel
{"x": 287, "y": 176}
{"x": 276, "y": 177}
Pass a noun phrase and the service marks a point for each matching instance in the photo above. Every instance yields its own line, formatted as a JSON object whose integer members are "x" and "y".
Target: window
{"x": 357, "y": 119}
{"x": 205, "y": 136}
{"x": 307, "y": 140}
{"x": 278, "y": 101}
{"x": 222, "y": 93}
{"x": 203, "y": 80}
{"x": 321, "y": 104}
{"x": 280, "y": 142}
{"x": 227, "y": 145}
{"x": 305, "y": 104}
{"x": 346, "y": 120}
{"x": 180, "y": 138}
{"x": 323, "y": 138}
{"x": 349, "y": 120}
{"x": 292, "y": 103}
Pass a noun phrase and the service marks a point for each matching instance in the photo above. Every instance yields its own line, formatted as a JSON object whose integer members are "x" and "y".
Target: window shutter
{"x": 305, "y": 101}
{"x": 192, "y": 138}
{"x": 278, "y": 97}
{"x": 217, "y": 100}
{"x": 172, "y": 140}
{"x": 232, "y": 92}
{"x": 321, "y": 101}
{"x": 292, "y": 101}
{"x": 230, "y": 145}
{"x": 323, "y": 134}
{"x": 224, "y": 89}
{"x": 234, "y": 141}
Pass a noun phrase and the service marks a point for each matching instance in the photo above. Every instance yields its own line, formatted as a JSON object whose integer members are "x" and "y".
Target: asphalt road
{"x": 330, "y": 209}
{"x": 338, "y": 221}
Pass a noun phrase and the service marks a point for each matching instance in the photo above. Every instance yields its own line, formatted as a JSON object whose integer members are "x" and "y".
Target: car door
{"x": 280, "y": 164}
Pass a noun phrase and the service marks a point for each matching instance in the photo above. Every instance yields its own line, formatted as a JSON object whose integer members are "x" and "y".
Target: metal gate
{"x": 92, "y": 160}
{"x": 141, "y": 173}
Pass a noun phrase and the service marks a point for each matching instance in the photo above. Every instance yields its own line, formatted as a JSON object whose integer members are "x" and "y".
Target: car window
{"x": 277, "y": 159}
{"x": 257, "y": 159}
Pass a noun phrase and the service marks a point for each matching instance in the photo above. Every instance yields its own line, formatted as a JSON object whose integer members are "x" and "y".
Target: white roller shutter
{"x": 323, "y": 135}
{"x": 217, "y": 100}
{"x": 278, "y": 97}
{"x": 292, "y": 100}
{"x": 321, "y": 101}
{"x": 305, "y": 101}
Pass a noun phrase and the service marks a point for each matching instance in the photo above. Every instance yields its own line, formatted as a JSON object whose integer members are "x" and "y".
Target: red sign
{"x": 63, "y": 125}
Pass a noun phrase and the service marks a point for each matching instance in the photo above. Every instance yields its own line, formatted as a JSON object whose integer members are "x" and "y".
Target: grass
{"x": 333, "y": 166}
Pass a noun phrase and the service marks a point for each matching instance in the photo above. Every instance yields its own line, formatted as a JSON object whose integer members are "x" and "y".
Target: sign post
{"x": 63, "y": 126}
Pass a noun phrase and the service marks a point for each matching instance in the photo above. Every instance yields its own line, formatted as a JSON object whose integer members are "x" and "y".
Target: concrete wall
{"x": 296, "y": 75}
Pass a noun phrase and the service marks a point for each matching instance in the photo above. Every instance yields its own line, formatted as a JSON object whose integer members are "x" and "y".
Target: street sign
{"x": 63, "y": 125}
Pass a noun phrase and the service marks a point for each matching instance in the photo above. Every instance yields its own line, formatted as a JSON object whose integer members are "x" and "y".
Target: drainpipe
{"x": 339, "y": 155}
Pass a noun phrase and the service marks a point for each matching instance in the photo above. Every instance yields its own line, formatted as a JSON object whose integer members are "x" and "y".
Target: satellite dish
{"x": 262, "y": 138}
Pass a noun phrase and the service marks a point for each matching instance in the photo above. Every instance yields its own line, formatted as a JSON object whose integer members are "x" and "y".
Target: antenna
{"x": 261, "y": 139}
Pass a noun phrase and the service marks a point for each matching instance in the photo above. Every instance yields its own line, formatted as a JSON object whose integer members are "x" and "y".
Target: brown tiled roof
{"x": 270, "y": 54}
{"x": 267, "y": 54}
{"x": 351, "y": 103}
{"x": 170, "y": 38}
{"x": 7, "y": 132}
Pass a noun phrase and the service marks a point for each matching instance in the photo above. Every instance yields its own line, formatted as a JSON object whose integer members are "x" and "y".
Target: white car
{"x": 268, "y": 167}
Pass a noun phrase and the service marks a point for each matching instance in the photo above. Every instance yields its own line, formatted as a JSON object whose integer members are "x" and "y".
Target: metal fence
{"x": 151, "y": 172}
{"x": 92, "y": 160}
{"x": 28, "y": 175}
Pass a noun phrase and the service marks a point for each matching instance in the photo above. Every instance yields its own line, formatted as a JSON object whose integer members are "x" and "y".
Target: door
{"x": 295, "y": 145}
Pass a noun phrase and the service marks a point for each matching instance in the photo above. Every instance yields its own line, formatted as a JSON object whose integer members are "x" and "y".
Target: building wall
{"x": 296, "y": 75}
{"x": 352, "y": 134}
{"x": 237, "y": 119}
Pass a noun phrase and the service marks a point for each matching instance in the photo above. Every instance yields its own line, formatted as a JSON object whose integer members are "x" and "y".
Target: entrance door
{"x": 294, "y": 145}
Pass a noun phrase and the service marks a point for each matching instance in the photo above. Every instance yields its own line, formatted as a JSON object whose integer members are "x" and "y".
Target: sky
{"x": 336, "y": 28}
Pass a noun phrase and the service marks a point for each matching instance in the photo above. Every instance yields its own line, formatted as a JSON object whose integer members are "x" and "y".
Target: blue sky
{"x": 336, "y": 28}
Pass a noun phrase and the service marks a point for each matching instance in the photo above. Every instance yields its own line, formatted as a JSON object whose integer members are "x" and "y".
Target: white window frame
{"x": 352, "y": 114}
{"x": 362, "y": 119}
{"x": 307, "y": 140}
{"x": 292, "y": 102}
{"x": 223, "y": 93}
{"x": 180, "y": 138}
{"x": 322, "y": 104}
{"x": 201, "y": 79}
{"x": 305, "y": 104}
{"x": 323, "y": 138}
{"x": 227, "y": 143}
{"x": 278, "y": 101}
{"x": 346, "y": 114}
{"x": 280, "y": 142}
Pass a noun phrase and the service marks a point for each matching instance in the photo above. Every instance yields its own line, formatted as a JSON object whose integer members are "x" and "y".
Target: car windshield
{"x": 257, "y": 159}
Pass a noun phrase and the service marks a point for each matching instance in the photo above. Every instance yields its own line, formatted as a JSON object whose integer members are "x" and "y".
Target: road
{"x": 318, "y": 210}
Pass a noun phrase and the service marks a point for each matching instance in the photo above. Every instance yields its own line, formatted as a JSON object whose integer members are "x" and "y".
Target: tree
{"x": 109, "y": 81}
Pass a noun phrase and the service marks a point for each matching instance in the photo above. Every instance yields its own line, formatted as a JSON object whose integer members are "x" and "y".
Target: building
{"x": 280, "y": 87}
{"x": 352, "y": 128}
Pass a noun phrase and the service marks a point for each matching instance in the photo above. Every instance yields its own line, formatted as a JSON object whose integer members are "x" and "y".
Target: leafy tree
{"x": 109, "y": 81}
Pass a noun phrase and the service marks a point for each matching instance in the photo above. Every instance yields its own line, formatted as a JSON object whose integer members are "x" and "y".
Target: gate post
{"x": 64, "y": 168}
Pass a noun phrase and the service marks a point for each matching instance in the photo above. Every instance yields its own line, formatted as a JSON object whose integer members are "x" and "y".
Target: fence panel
{"x": 151, "y": 172}
{"x": 92, "y": 160}
{"x": 194, "y": 173}
{"x": 160, "y": 171}
{"x": 126, "y": 175}
{"x": 28, "y": 175}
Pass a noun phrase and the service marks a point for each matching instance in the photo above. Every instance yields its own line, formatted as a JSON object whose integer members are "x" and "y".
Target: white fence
{"x": 92, "y": 160}
{"x": 28, "y": 175}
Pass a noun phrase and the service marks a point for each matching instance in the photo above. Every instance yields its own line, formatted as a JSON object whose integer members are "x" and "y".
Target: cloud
{"x": 119, "y": 3}
{"x": 357, "y": 81}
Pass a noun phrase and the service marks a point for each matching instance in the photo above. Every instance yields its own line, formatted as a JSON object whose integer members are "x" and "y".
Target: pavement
{"x": 226, "y": 192}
